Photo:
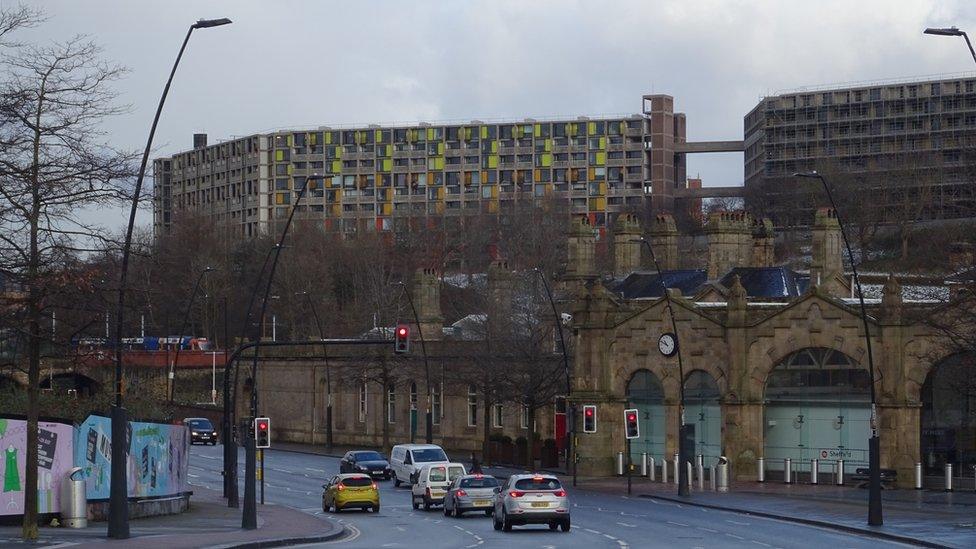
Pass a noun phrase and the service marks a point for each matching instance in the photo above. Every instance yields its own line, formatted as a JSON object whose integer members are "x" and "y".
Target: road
{"x": 599, "y": 520}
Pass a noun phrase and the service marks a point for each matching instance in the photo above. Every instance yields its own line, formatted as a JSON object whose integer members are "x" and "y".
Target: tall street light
{"x": 328, "y": 371}
{"x": 118, "y": 521}
{"x": 874, "y": 443}
{"x": 685, "y": 431}
{"x": 952, "y": 31}
{"x": 571, "y": 409}
{"x": 179, "y": 344}
{"x": 429, "y": 420}
{"x": 249, "y": 520}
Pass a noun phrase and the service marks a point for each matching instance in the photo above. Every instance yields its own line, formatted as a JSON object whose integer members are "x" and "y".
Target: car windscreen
{"x": 200, "y": 424}
{"x": 455, "y": 472}
{"x": 368, "y": 456}
{"x": 437, "y": 474}
{"x": 537, "y": 484}
{"x": 483, "y": 482}
{"x": 357, "y": 481}
{"x": 429, "y": 454}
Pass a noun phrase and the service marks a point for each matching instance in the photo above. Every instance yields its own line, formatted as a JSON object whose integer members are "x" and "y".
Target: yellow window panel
{"x": 484, "y": 132}
{"x": 538, "y": 176}
{"x": 548, "y": 145}
{"x": 493, "y": 161}
{"x": 598, "y": 204}
{"x": 592, "y": 174}
{"x": 441, "y": 191}
{"x": 290, "y": 140}
{"x": 387, "y": 209}
{"x": 389, "y": 150}
{"x": 603, "y": 142}
{"x": 538, "y": 130}
{"x": 591, "y": 128}
{"x": 602, "y": 188}
{"x": 328, "y": 138}
{"x": 291, "y": 168}
{"x": 279, "y": 156}
{"x": 430, "y": 134}
{"x": 338, "y": 152}
{"x": 440, "y": 148}
{"x": 601, "y": 158}
{"x": 546, "y": 160}
{"x": 378, "y": 136}
{"x": 494, "y": 147}
{"x": 484, "y": 177}
{"x": 336, "y": 166}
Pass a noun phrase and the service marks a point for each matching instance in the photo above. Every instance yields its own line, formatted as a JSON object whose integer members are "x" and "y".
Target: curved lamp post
{"x": 429, "y": 420}
{"x": 571, "y": 410}
{"x": 118, "y": 521}
{"x": 684, "y": 452}
{"x": 328, "y": 372}
{"x": 874, "y": 443}
{"x": 179, "y": 344}
{"x": 952, "y": 31}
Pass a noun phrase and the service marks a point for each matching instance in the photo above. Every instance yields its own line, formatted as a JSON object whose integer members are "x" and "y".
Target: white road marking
{"x": 191, "y": 475}
{"x": 592, "y": 531}
{"x": 628, "y": 525}
{"x": 757, "y": 542}
{"x": 709, "y": 530}
{"x": 677, "y": 523}
{"x": 734, "y": 536}
{"x": 737, "y": 522}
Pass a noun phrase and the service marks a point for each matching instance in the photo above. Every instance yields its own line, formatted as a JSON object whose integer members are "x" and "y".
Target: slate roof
{"x": 647, "y": 284}
{"x": 769, "y": 282}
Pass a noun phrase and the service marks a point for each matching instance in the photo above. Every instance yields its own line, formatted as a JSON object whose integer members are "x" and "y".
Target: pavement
{"x": 208, "y": 523}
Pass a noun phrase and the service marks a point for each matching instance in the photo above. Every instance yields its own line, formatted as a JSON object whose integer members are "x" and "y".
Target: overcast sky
{"x": 307, "y": 63}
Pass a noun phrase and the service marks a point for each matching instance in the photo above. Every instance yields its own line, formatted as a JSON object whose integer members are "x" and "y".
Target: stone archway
{"x": 817, "y": 405}
{"x": 70, "y": 383}
{"x": 645, "y": 392}
{"x": 702, "y": 409}
{"x": 948, "y": 415}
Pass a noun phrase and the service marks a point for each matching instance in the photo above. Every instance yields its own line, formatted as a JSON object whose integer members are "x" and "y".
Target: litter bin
{"x": 74, "y": 501}
{"x": 722, "y": 474}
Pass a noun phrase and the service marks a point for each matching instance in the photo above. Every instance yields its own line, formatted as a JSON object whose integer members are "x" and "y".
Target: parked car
{"x": 431, "y": 483}
{"x": 367, "y": 462}
{"x": 406, "y": 459}
{"x": 531, "y": 499}
{"x": 470, "y": 493}
{"x": 201, "y": 430}
{"x": 353, "y": 490}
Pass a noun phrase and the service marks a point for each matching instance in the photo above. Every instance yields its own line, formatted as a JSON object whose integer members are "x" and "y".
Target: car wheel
{"x": 457, "y": 511}
{"x": 506, "y": 524}
{"x": 553, "y": 525}
{"x": 396, "y": 483}
{"x": 495, "y": 524}
{"x": 565, "y": 525}
{"x": 376, "y": 508}
{"x": 447, "y": 512}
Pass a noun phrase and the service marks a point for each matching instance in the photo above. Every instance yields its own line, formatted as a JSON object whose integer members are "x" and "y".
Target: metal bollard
{"x": 839, "y": 472}
{"x": 644, "y": 464}
{"x": 711, "y": 477}
{"x": 676, "y": 465}
{"x": 918, "y": 475}
{"x": 688, "y": 466}
{"x": 814, "y": 471}
{"x": 664, "y": 470}
{"x": 620, "y": 463}
{"x": 761, "y": 469}
{"x": 700, "y": 471}
{"x": 722, "y": 474}
{"x": 948, "y": 477}
{"x": 650, "y": 467}
{"x": 788, "y": 471}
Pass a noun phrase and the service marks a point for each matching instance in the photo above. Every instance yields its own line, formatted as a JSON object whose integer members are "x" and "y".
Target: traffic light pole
{"x": 423, "y": 349}
{"x": 630, "y": 468}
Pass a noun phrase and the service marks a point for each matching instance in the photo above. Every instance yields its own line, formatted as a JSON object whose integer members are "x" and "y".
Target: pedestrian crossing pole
{"x": 261, "y": 472}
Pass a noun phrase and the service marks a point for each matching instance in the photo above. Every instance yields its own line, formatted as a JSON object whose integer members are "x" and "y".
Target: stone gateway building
{"x": 775, "y": 365}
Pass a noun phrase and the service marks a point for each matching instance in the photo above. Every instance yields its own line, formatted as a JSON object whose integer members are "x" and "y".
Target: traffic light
{"x": 633, "y": 426}
{"x": 589, "y": 418}
{"x": 262, "y": 432}
{"x": 402, "y": 343}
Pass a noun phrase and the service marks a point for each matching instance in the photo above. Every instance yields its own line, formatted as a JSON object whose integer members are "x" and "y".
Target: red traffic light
{"x": 402, "y": 340}
{"x": 631, "y": 417}
{"x": 589, "y": 412}
{"x": 263, "y": 425}
{"x": 402, "y": 331}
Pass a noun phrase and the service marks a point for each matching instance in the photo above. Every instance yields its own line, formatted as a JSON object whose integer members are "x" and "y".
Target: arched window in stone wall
{"x": 949, "y": 414}
{"x": 702, "y": 409}
{"x": 818, "y": 405}
{"x": 644, "y": 392}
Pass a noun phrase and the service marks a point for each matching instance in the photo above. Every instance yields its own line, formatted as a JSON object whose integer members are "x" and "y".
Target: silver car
{"x": 531, "y": 499}
{"x": 470, "y": 493}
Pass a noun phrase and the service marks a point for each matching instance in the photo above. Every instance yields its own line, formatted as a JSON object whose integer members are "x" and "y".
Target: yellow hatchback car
{"x": 350, "y": 491}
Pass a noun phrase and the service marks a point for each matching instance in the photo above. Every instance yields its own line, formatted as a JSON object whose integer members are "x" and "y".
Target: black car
{"x": 201, "y": 430}
{"x": 366, "y": 461}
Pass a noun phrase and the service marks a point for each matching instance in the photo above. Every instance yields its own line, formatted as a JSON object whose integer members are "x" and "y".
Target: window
{"x": 362, "y": 402}
{"x": 524, "y": 417}
{"x": 472, "y": 406}
{"x": 391, "y": 404}
{"x": 436, "y": 390}
{"x": 496, "y": 415}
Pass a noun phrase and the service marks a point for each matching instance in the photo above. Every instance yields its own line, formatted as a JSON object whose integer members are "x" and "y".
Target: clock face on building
{"x": 668, "y": 344}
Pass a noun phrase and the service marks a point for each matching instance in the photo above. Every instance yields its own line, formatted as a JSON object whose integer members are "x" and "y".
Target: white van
{"x": 433, "y": 481}
{"x": 406, "y": 459}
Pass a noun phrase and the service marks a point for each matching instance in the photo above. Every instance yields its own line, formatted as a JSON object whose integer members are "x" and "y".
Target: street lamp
{"x": 683, "y": 451}
{"x": 571, "y": 410}
{"x": 874, "y": 443}
{"x": 179, "y": 344}
{"x": 328, "y": 371}
{"x": 249, "y": 520}
{"x": 118, "y": 521}
{"x": 951, "y": 31}
{"x": 429, "y": 420}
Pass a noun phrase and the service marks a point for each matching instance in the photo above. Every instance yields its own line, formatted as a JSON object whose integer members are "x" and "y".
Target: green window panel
{"x": 328, "y": 138}
{"x": 387, "y": 165}
{"x": 430, "y": 134}
{"x": 494, "y": 147}
{"x": 290, "y": 140}
{"x": 603, "y": 143}
{"x": 601, "y": 158}
{"x": 291, "y": 168}
{"x": 440, "y": 148}
{"x": 548, "y": 145}
{"x": 338, "y": 152}
{"x": 591, "y": 128}
{"x": 546, "y": 160}
{"x": 336, "y": 166}
{"x": 538, "y": 130}
{"x": 379, "y": 136}
{"x": 279, "y": 156}
{"x": 484, "y": 132}
{"x": 435, "y": 163}
{"x": 493, "y": 161}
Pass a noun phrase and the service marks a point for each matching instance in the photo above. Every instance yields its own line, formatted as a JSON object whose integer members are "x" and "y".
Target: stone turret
{"x": 729, "y": 242}
{"x": 664, "y": 238}
{"x": 427, "y": 299}
{"x": 626, "y": 245}
{"x": 891, "y": 300}
{"x": 580, "y": 250}
{"x": 500, "y": 294}
{"x": 763, "y": 246}
{"x": 827, "y": 259}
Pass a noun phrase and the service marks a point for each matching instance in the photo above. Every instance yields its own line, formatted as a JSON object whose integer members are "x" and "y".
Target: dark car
{"x": 201, "y": 430}
{"x": 366, "y": 461}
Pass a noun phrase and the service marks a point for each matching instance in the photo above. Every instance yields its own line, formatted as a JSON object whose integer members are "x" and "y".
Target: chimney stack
{"x": 827, "y": 259}
{"x": 729, "y": 242}
{"x": 427, "y": 298}
{"x": 763, "y": 246}
{"x": 199, "y": 140}
{"x": 664, "y": 240}
{"x": 626, "y": 245}
{"x": 580, "y": 250}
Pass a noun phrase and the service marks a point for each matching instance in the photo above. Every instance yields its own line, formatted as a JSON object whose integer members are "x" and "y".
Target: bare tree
{"x": 54, "y": 163}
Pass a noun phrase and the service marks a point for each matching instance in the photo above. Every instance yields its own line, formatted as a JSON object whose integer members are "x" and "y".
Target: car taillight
{"x": 375, "y": 487}
{"x": 462, "y": 493}
{"x": 559, "y": 493}
{"x": 516, "y": 493}
{"x": 340, "y": 487}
